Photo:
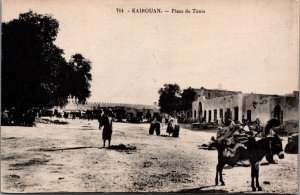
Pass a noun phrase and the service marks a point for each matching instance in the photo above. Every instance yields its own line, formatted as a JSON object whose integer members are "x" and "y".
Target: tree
{"x": 169, "y": 99}
{"x": 187, "y": 97}
{"x": 34, "y": 72}
{"x": 80, "y": 77}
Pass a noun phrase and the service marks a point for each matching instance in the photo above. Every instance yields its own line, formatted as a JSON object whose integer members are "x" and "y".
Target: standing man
{"x": 107, "y": 126}
{"x": 244, "y": 120}
{"x": 268, "y": 131}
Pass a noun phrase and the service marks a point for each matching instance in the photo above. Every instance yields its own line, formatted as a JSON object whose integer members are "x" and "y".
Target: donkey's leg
{"x": 257, "y": 175}
{"x": 221, "y": 175}
{"x": 252, "y": 176}
{"x": 217, "y": 172}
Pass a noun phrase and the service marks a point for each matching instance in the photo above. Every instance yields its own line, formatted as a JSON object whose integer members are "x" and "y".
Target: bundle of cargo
{"x": 291, "y": 126}
{"x": 280, "y": 130}
{"x": 232, "y": 134}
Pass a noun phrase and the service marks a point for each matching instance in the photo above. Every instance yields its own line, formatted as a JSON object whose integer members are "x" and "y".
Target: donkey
{"x": 252, "y": 150}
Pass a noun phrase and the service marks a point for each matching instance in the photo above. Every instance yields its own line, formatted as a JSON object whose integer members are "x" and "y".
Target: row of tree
{"x": 35, "y": 73}
{"x": 173, "y": 100}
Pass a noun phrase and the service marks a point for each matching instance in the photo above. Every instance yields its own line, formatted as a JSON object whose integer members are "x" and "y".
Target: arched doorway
{"x": 278, "y": 114}
{"x": 200, "y": 111}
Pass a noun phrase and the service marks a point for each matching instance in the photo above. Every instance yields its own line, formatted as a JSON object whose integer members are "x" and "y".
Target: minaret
{"x": 220, "y": 86}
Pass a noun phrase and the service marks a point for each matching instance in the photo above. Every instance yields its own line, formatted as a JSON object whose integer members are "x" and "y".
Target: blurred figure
{"x": 107, "y": 127}
{"x": 163, "y": 121}
{"x": 154, "y": 125}
{"x": 269, "y": 131}
{"x": 100, "y": 118}
{"x": 170, "y": 128}
{"x": 244, "y": 120}
{"x": 5, "y": 118}
{"x": 221, "y": 124}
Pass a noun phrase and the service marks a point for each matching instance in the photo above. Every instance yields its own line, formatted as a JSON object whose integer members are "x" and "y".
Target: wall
{"x": 264, "y": 107}
{"x": 288, "y": 105}
{"x": 213, "y": 93}
{"x": 224, "y": 103}
{"x": 218, "y": 103}
{"x": 259, "y": 105}
{"x": 291, "y": 109}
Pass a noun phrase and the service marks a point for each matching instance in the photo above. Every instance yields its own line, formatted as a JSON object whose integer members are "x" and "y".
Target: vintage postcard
{"x": 195, "y": 96}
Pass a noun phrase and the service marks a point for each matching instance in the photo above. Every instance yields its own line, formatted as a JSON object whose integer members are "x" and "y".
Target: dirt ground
{"x": 67, "y": 158}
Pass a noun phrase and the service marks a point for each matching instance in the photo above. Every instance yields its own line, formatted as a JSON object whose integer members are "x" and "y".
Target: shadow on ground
{"x": 128, "y": 149}
{"x": 202, "y": 190}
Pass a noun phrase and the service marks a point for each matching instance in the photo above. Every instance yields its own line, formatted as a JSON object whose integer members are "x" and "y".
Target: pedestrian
{"x": 232, "y": 125}
{"x": 152, "y": 126}
{"x": 163, "y": 121}
{"x": 107, "y": 127}
{"x": 170, "y": 128}
{"x": 157, "y": 127}
{"x": 257, "y": 123}
{"x": 244, "y": 120}
{"x": 268, "y": 131}
{"x": 221, "y": 124}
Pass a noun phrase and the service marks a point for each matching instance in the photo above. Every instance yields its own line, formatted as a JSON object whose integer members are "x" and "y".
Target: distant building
{"x": 215, "y": 104}
{"x": 121, "y": 110}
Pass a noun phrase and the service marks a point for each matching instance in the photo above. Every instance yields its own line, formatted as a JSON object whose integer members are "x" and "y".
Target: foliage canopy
{"x": 172, "y": 100}
{"x": 35, "y": 73}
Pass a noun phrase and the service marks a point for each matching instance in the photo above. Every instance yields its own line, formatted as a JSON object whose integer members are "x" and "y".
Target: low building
{"x": 221, "y": 105}
{"x": 122, "y": 111}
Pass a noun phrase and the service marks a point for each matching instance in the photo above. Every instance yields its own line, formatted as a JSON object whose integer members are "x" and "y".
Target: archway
{"x": 278, "y": 113}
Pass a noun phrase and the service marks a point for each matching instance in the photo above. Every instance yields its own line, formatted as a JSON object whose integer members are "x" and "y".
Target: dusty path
{"x": 67, "y": 158}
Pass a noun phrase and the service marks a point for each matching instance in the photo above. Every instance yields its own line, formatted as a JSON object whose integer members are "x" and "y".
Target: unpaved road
{"x": 67, "y": 158}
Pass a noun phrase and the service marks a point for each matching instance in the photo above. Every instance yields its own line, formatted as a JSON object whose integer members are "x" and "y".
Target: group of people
{"x": 105, "y": 119}
{"x": 155, "y": 126}
{"x": 18, "y": 117}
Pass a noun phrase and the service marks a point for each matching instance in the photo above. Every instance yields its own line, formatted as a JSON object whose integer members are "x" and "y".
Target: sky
{"x": 249, "y": 46}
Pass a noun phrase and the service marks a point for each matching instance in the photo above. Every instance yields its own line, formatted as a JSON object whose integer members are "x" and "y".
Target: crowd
{"x": 172, "y": 128}
{"x": 17, "y": 117}
{"x": 106, "y": 118}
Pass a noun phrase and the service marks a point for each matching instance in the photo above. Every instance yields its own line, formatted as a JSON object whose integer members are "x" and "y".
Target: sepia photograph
{"x": 195, "y": 96}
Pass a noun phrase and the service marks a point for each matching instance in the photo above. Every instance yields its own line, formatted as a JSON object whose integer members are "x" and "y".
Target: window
{"x": 236, "y": 114}
{"x": 221, "y": 114}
